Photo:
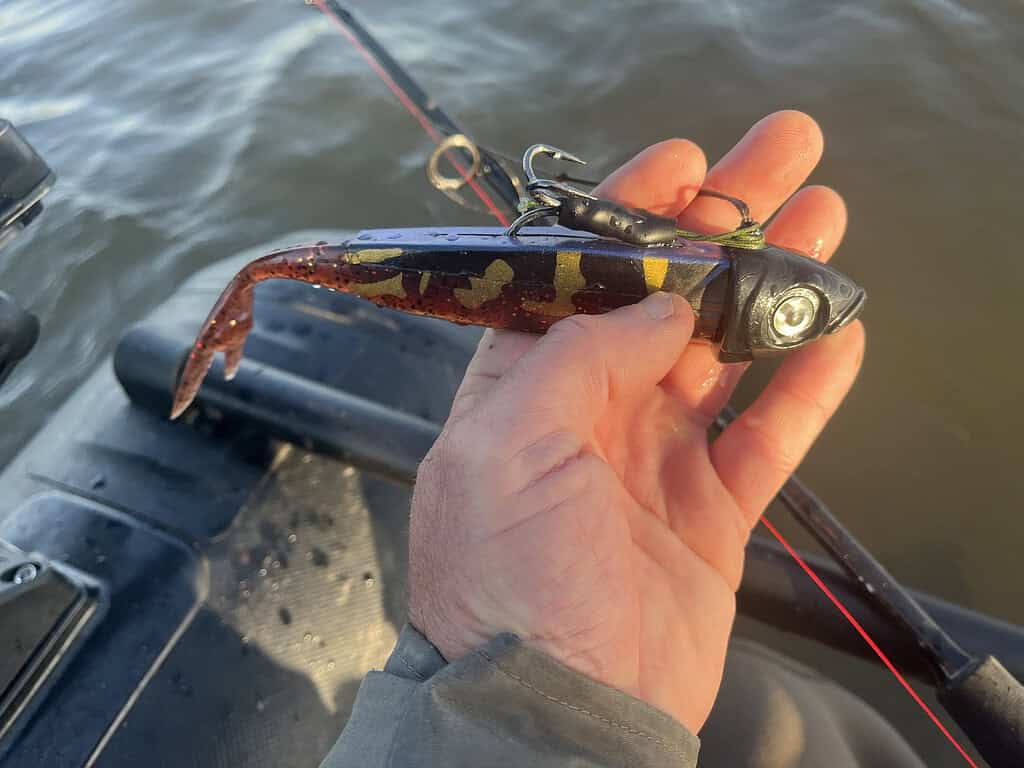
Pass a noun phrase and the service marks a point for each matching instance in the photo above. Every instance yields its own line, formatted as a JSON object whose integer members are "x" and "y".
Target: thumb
{"x": 566, "y": 379}
{"x": 496, "y": 353}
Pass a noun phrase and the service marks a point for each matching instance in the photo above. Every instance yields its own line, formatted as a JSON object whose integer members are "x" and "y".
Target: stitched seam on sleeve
{"x": 608, "y": 721}
{"x": 410, "y": 667}
{"x": 389, "y": 761}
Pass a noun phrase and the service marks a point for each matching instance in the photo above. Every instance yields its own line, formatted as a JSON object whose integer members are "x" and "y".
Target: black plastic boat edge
{"x": 149, "y": 586}
{"x": 285, "y": 406}
{"x": 381, "y": 440}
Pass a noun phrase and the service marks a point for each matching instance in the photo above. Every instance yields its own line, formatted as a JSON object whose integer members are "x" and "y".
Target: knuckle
{"x": 582, "y": 480}
{"x": 814, "y": 413}
{"x": 582, "y": 326}
{"x": 543, "y": 457}
{"x": 583, "y": 353}
{"x": 578, "y": 332}
{"x": 459, "y": 440}
{"x": 777, "y": 454}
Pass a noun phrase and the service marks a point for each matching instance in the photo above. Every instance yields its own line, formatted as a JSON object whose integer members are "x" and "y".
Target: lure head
{"x": 781, "y": 300}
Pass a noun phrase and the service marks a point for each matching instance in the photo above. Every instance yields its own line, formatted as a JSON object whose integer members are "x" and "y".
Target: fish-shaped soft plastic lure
{"x": 753, "y": 302}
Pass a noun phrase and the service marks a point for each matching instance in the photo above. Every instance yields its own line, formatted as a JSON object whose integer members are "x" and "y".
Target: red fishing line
{"x": 415, "y": 111}
{"x": 867, "y": 638}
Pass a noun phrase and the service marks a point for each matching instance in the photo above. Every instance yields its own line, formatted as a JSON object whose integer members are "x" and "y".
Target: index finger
{"x": 663, "y": 179}
{"x": 770, "y": 162}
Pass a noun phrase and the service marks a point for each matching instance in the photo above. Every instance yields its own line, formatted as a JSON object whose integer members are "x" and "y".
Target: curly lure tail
{"x": 225, "y": 330}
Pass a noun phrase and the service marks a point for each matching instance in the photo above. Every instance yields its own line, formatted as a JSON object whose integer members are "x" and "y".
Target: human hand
{"x": 573, "y": 497}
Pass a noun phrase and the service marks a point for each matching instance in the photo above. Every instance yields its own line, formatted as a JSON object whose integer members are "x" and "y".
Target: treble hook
{"x": 547, "y": 195}
{"x": 541, "y": 189}
{"x": 579, "y": 210}
{"x": 546, "y": 149}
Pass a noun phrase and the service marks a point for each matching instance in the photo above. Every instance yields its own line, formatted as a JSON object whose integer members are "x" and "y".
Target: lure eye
{"x": 795, "y": 315}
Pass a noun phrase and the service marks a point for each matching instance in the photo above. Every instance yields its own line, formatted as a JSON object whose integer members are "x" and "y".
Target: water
{"x": 185, "y": 132}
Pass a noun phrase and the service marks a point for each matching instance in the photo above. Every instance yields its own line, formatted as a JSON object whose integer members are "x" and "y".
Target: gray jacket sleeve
{"x": 503, "y": 705}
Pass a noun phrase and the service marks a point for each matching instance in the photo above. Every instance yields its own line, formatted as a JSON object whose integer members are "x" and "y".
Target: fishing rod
{"x": 980, "y": 694}
{"x": 492, "y": 175}
{"x": 476, "y": 167}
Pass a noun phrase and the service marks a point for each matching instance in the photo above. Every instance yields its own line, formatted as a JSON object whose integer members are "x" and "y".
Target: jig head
{"x": 585, "y": 212}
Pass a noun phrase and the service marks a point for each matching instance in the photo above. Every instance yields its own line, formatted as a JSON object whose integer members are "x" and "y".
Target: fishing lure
{"x": 752, "y": 298}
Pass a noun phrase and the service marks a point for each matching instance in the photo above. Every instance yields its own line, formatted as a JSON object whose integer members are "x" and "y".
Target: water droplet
{"x": 316, "y": 639}
{"x": 263, "y": 571}
{"x": 292, "y": 538}
{"x": 817, "y": 248}
{"x": 710, "y": 376}
{"x": 308, "y": 636}
{"x": 276, "y": 564}
{"x": 260, "y": 705}
{"x": 368, "y": 579}
{"x": 452, "y": 238}
{"x": 98, "y": 482}
{"x": 330, "y": 665}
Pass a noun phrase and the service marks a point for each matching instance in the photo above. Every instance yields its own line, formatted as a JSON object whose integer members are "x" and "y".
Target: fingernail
{"x": 659, "y": 305}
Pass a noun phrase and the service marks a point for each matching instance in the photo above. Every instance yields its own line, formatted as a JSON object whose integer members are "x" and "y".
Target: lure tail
{"x": 225, "y": 330}
{"x": 231, "y": 318}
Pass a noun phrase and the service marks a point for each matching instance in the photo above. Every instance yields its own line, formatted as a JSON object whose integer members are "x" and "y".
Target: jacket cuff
{"x": 503, "y": 704}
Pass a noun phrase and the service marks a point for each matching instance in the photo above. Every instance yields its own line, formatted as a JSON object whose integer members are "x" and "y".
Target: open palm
{"x": 573, "y": 497}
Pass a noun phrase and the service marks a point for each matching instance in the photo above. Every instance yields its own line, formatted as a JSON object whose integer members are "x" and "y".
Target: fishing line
{"x": 332, "y": 13}
{"x": 867, "y": 638}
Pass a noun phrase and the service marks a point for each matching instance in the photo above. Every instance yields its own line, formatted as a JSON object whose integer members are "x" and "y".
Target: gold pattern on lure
{"x": 567, "y": 281}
